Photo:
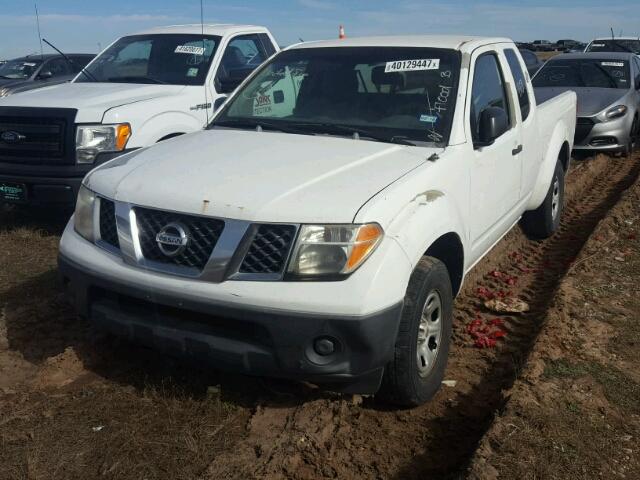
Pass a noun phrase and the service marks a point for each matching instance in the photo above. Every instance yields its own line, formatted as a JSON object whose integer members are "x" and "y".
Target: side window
{"x": 267, "y": 44}
{"x": 79, "y": 62}
{"x": 58, "y": 67}
{"x": 521, "y": 82}
{"x": 241, "y": 57}
{"x": 488, "y": 90}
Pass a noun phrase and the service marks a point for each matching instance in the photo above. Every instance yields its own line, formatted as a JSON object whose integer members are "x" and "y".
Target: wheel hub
{"x": 429, "y": 333}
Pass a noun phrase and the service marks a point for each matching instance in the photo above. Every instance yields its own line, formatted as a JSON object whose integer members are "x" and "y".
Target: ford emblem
{"x": 10, "y": 136}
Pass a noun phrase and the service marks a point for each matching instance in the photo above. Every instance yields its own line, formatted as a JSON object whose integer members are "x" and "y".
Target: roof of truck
{"x": 209, "y": 29}
{"x": 455, "y": 42}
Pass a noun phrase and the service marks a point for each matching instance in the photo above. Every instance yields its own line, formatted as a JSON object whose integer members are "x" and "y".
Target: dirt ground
{"x": 77, "y": 405}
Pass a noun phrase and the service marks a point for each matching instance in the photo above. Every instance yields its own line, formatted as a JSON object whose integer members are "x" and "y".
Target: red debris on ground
{"x": 486, "y": 333}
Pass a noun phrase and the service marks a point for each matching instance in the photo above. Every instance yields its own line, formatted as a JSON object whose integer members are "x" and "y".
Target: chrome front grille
{"x": 211, "y": 249}
{"x": 203, "y": 234}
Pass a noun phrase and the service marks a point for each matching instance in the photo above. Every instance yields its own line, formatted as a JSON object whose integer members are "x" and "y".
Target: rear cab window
{"x": 521, "y": 82}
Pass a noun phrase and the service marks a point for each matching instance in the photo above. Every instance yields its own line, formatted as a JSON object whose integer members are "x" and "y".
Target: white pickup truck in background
{"x": 321, "y": 226}
{"x": 142, "y": 89}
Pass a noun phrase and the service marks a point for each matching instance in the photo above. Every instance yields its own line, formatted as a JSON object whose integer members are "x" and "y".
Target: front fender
{"x": 426, "y": 218}
{"x": 157, "y": 127}
{"x": 545, "y": 173}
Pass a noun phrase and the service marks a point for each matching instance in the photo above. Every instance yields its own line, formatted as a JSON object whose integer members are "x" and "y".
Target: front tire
{"x": 631, "y": 143}
{"x": 422, "y": 346}
{"x": 542, "y": 222}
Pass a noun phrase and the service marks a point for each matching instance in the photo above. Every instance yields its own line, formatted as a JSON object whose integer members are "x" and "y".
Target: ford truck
{"x": 142, "y": 89}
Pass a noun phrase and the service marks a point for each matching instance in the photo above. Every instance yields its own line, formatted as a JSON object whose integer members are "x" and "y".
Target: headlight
{"x": 94, "y": 139}
{"x": 330, "y": 250}
{"x": 84, "y": 213}
{"x": 4, "y": 92}
{"x": 616, "y": 112}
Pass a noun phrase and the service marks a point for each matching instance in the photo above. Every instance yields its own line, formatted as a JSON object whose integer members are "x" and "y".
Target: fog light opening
{"x": 325, "y": 346}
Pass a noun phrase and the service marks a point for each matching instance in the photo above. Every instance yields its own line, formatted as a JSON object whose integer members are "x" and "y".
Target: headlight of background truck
{"x": 83, "y": 220}
{"x": 94, "y": 139}
{"x": 333, "y": 250}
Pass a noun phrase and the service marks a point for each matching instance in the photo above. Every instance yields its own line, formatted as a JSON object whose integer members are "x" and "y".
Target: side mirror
{"x": 228, "y": 82}
{"x": 494, "y": 121}
{"x": 45, "y": 75}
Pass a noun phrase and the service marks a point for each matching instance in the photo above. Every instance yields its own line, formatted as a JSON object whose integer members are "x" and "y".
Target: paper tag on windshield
{"x": 413, "y": 65}
{"x": 612, "y": 64}
{"x": 189, "y": 49}
{"x": 29, "y": 64}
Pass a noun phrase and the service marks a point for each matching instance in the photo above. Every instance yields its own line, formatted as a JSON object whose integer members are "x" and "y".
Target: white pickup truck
{"x": 325, "y": 239}
{"x": 144, "y": 88}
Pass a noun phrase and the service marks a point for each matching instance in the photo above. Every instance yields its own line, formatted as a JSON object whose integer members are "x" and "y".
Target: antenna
{"x": 206, "y": 99}
{"x": 39, "y": 35}
{"x": 613, "y": 37}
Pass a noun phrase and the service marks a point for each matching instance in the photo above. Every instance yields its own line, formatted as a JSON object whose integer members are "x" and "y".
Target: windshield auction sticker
{"x": 189, "y": 49}
{"x": 612, "y": 64}
{"x": 413, "y": 65}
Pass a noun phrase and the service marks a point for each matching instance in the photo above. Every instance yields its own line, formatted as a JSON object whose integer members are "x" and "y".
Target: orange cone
{"x": 341, "y": 34}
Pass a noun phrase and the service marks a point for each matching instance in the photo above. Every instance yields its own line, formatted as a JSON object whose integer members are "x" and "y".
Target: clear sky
{"x": 83, "y": 25}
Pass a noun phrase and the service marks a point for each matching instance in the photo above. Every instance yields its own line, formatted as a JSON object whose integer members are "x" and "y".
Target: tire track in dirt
{"x": 303, "y": 433}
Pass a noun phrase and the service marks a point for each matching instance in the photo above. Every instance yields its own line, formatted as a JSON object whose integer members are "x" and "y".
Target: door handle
{"x": 517, "y": 150}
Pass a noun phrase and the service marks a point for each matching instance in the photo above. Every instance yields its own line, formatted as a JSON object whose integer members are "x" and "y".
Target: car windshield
{"x": 393, "y": 94}
{"x": 615, "y": 45}
{"x": 594, "y": 73}
{"x": 163, "y": 59}
{"x": 19, "y": 69}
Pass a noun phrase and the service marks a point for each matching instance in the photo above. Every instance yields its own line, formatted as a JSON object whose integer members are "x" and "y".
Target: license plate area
{"x": 13, "y": 192}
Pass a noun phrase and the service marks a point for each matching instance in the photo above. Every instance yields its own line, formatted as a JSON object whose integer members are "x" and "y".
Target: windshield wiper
{"x": 134, "y": 78}
{"x": 264, "y": 125}
{"x": 359, "y": 132}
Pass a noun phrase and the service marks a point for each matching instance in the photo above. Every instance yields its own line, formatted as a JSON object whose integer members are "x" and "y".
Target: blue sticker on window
{"x": 428, "y": 118}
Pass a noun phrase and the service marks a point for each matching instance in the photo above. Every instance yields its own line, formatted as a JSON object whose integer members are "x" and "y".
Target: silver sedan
{"x": 608, "y": 89}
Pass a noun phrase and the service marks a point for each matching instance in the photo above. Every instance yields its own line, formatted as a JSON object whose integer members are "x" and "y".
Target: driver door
{"x": 496, "y": 168}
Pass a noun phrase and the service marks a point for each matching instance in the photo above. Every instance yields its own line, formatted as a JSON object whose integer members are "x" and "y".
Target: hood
{"x": 258, "y": 176}
{"x": 91, "y": 100}
{"x": 591, "y": 101}
{"x": 11, "y": 83}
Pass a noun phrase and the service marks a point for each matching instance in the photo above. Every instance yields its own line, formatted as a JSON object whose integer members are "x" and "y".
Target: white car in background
{"x": 142, "y": 89}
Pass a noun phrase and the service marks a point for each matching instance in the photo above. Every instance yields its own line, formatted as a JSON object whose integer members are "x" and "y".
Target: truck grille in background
{"x": 42, "y": 140}
{"x": 108, "y": 229}
{"x": 203, "y": 235}
{"x": 269, "y": 249}
{"x": 583, "y": 129}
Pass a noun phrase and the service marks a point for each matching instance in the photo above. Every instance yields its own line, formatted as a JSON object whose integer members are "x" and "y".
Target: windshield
{"x": 615, "y": 45}
{"x": 19, "y": 69}
{"x": 594, "y": 73}
{"x": 388, "y": 94}
{"x": 164, "y": 59}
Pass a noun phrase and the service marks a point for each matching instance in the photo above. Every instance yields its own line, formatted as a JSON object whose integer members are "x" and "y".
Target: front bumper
{"x": 608, "y": 136}
{"x": 246, "y": 340}
{"x": 51, "y": 185}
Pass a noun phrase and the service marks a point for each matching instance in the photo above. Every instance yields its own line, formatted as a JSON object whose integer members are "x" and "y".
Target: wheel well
{"x": 565, "y": 155}
{"x": 171, "y": 135}
{"x": 449, "y": 250}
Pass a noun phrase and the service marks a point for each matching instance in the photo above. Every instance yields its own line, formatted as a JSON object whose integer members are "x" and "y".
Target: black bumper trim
{"x": 244, "y": 340}
{"x": 51, "y": 185}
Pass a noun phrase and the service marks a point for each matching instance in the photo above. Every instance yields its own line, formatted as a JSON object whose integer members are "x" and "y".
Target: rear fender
{"x": 545, "y": 174}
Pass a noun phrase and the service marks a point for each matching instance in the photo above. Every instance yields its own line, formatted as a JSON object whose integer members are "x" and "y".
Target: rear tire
{"x": 542, "y": 222}
{"x": 422, "y": 346}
